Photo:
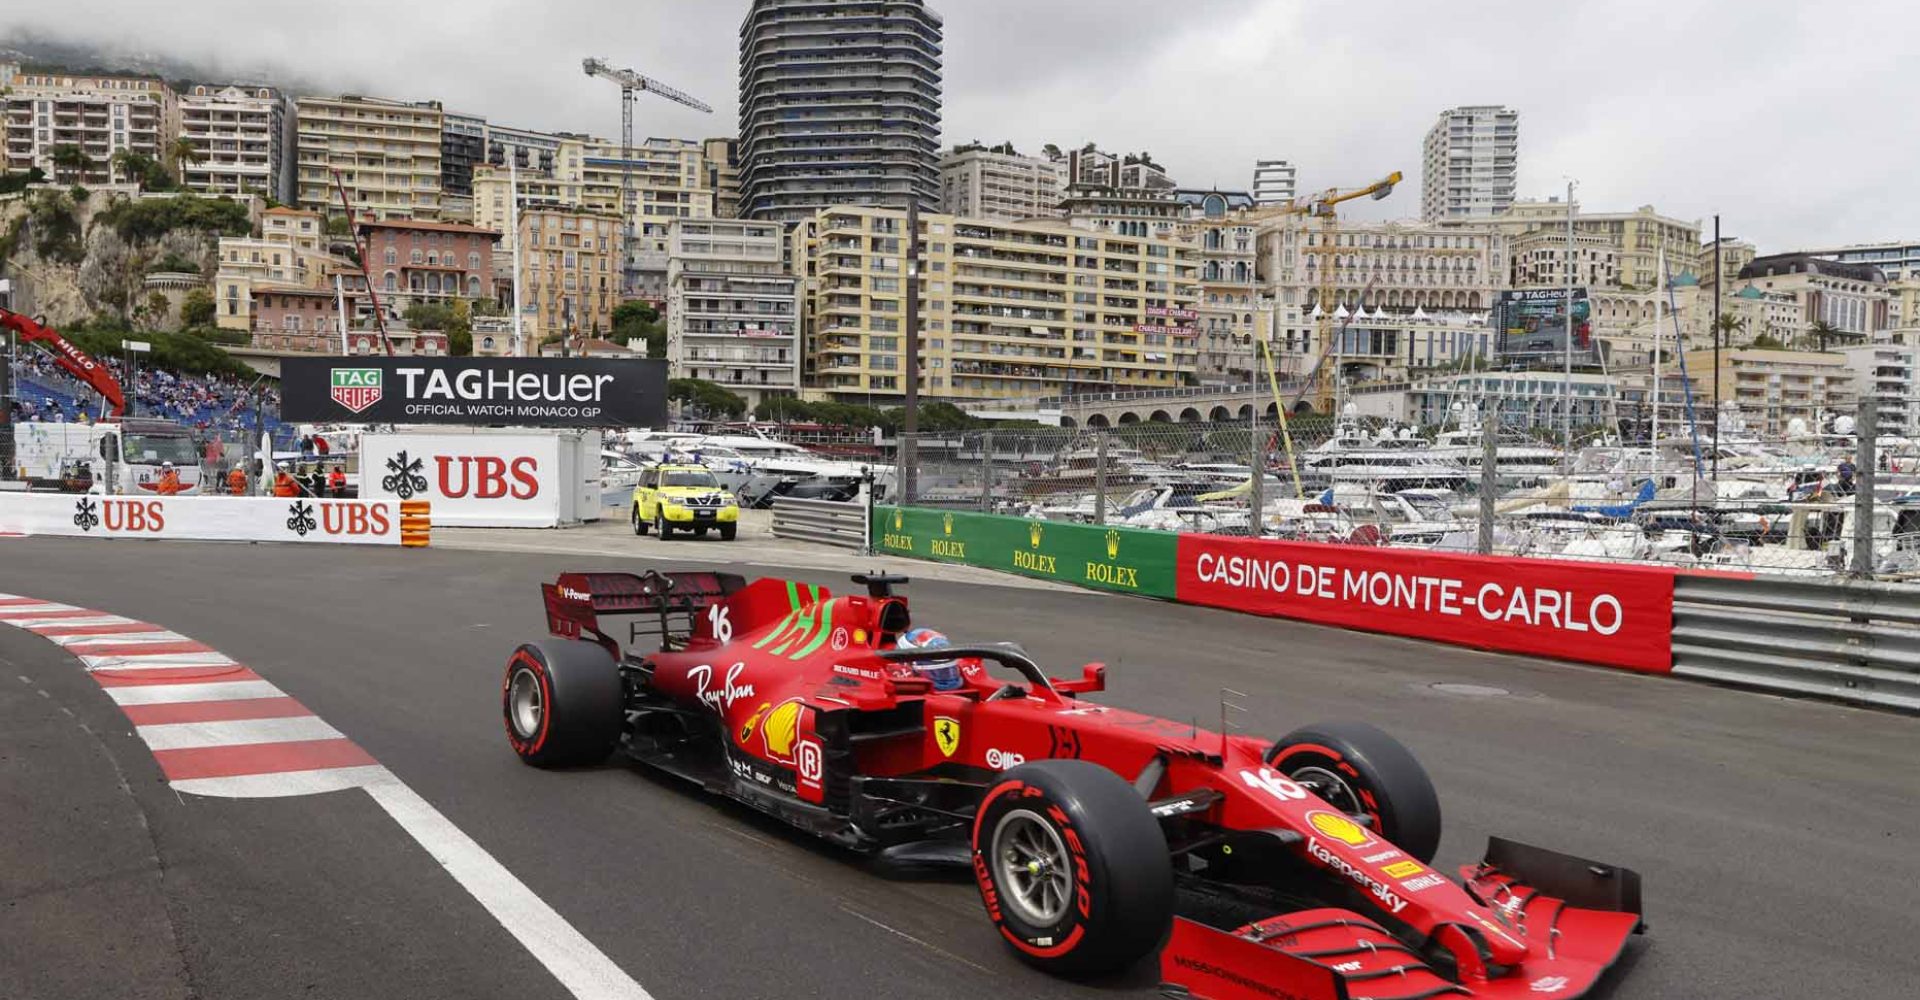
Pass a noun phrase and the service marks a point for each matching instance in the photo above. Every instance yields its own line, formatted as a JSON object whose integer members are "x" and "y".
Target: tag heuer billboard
{"x": 524, "y": 392}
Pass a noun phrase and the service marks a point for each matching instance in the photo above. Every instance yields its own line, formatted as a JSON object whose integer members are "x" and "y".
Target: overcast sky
{"x": 1791, "y": 119}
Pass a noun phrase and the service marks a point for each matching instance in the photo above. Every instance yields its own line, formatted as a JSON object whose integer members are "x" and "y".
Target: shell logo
{"x": 1113, "y": 544}
{"x": 1337, "y": 827}
{"x": 1033, "y": 535}
{"x": 781, "y": 729}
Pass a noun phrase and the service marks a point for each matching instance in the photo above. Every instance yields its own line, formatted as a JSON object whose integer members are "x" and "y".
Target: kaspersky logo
{"x": 356, "y": 388}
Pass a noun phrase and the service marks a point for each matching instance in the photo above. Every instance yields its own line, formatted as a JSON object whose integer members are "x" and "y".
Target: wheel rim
{"x": 1335, "y": 789}
{"x": 1035, "y": 874}
{"x": 524, "y": 706}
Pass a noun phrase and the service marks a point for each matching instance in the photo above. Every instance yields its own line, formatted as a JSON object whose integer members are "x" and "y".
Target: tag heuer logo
{"x": 356, "y": 388}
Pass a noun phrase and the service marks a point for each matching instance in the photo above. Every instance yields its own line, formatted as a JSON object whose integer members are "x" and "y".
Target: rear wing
{"x": 665, "y": 604}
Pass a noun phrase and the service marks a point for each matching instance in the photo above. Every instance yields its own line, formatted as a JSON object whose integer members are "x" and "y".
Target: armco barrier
{"x": 823, "y": 522}
{"x": 1127, "y": 560}
{"x": 1850, "y": 640}
{"x": 217, "y": 518}
{"x": 1619, "y": 616}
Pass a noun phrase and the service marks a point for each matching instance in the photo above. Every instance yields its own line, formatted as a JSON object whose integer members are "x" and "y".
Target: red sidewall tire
{"x": 1391, "y": 785}
{"x": 582, "y": 704}
{"x": 1121, "y": 905}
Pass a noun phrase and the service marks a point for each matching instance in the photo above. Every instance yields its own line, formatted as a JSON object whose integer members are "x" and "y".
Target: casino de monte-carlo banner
{"x": 520, "y": 392}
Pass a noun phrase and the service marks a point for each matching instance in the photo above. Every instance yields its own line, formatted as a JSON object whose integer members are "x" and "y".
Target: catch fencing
{"x": 1789, "y": 489}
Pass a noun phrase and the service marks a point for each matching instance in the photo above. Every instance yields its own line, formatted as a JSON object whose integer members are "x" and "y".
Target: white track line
{"x": 169, "y": 694}
{"x": 138, "y": 661}
{"x": 116, "y": 638}
{"x": 583, "y": 969}
{"x": 237, "y": 732}
{"x": 281, "y": 783}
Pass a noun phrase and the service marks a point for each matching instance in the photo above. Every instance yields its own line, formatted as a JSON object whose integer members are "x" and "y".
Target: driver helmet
{"x": 945, "y": 674}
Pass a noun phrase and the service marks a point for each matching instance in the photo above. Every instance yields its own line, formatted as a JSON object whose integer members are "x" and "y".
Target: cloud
{"x": 1788, "y": 118}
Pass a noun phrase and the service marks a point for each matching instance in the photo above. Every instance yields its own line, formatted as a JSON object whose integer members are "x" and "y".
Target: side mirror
{"x": 1093, "y": 677}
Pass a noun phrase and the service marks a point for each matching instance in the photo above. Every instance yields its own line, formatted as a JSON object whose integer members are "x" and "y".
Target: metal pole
{"x": 1866, "y": 429}
{"x": 910, "y": 419}
{"x": 7, "y": 468}
{"x": 1566, "y": 384}
{"x": 1489, "y": 476}
{"x": 133, "y": 381}
{"x": 1257, "y": 466}
{"x": 1100, "y": 477}
{"x": 1716, "y": 347}
{"x": 986, "y": 472}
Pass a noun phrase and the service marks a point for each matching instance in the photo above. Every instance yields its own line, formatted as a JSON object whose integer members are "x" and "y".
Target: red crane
{"x": 74, "y": 360}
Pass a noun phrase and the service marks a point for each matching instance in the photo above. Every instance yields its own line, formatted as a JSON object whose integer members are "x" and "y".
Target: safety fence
{"x": 1614, "y": 615}
{"x": 824, "y": 522}
{"x": 216, "y": 518}
{"x": 1849, "y": 640}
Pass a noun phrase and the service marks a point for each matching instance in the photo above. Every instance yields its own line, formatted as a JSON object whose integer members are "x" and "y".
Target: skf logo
{"x": 946, "y": 524}
{"x": 1033, "y": 535}
{"x": 946, "y": 734}
{"x": 1113, "y": 544}
{"x": 485, "y": 477}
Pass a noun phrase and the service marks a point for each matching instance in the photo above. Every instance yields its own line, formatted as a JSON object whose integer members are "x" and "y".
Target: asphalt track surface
{"x": 1776, "y": 837}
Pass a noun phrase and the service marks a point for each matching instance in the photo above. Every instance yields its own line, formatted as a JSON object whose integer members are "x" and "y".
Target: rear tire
{"x": 639, "y": 523}
{"x": 1361, "y": 769}
{"x": 1072, "y": 867}
{"x": 727, "y": 531}
{"x": 562, "y": 702}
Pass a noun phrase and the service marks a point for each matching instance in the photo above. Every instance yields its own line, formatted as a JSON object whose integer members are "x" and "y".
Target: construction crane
{"x": 631, "y": 83}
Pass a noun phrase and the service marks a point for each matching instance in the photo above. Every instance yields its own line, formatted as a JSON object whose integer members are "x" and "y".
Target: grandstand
{"x": 43, "y": 392}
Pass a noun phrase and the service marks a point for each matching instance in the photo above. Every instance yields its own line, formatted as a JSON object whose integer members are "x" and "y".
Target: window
{"x": 473, "y": 260}
{"x": 392, "y": 282}
{"x": 416, "y": 257}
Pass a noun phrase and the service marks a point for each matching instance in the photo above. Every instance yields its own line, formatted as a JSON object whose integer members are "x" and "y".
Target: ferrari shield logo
{"x": 946, "y": 734}
{"x": 356, "y": 388}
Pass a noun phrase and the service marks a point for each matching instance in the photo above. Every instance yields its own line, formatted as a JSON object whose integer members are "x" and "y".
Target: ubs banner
{"x": 523, "y": 392}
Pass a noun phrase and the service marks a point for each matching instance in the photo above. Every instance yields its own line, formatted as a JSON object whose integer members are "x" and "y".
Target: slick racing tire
{"x": 562, "y": 703}
{"x": 639, "y": 523}
{"x": 1072, "y": 867}
{"x": 1363, "y": 771}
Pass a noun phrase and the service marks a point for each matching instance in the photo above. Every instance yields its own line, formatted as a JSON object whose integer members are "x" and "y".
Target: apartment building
{"x": 1639, "y": 239}
{"x": 839, "y": 105}
{"x": 1273, "y": 182}
{"x": 415, "y": 261}
{"x": 998, "y": 183}
{"x": 669, "y": 179}
{"x": 723, "y": 175}
{"x": 733, "y": 314}
{"x": 1897, "y": 260}
{"x": 528, "y": 149}
{"x": 387, "y": 154}
{"x": 1773, "y": 388}
{"x": 1127, "y": 195}
{"x": 1471, "y": 160}
{"x": 1008, "y": 309}
{"x": 1851, "y": 299}
{"x": 242, "y": 139}
{"x": 97, "y": 115}
{"x": 569, "y": 273}
{"x": 290, "y": 251}
{"x": 1884, "y": 373}
{"x": 1234, "y": 307}
{"x": 463, "y": 144}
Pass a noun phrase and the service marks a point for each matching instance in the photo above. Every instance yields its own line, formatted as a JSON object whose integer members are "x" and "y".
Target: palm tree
{"x": 183, "y": 154}
{"x": 129, "y": 165}
{"x": 1823, "y": 331}
{"x": 71, "y": 159}
{"x": 1724, "y": 327}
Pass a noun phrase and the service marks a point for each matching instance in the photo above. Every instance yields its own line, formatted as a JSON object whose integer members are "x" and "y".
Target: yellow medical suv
{"x": 674, "y": 498}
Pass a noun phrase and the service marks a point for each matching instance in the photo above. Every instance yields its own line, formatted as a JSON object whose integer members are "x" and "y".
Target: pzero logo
{"x": 356, "y": 388}
{"x": 403, "y": 477}
{"x": 300, "y": 518}
{"x": 86, "y": 514}
{"x": 1548, "y": 984}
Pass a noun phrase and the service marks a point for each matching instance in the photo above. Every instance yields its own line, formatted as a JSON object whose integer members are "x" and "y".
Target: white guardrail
{"x": 824, "y": 522}
{"x": 1851, "y": 640}
{"x": 216, "y": 518}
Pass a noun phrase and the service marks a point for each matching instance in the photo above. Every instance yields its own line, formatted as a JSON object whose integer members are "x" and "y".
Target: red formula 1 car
{"x": 1077, "y": 819}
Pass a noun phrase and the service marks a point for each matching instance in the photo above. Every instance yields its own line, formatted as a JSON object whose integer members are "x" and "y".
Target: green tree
{"x": 337, "y": 225}
{"x": 182, "y": 153}
{"x": 639, "y": 320}
{"x": 149, "y": 219}
{"x": 452, "y": 319}
{"x": 1822, "y": 332}
{"x": 706, "y": 398}
{"x": 197, "y": 308}
{"x": 70, "y": 162}
{"x": 1767, "y": 342}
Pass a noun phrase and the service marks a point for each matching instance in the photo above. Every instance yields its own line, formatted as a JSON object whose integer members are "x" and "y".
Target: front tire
{"x": 660, "y": 525}
{"x": 727, "y": 531}
{"x": 1362, "y": 770}
{"x": 562, "y": 702}
{"x": 1072, "y": 867}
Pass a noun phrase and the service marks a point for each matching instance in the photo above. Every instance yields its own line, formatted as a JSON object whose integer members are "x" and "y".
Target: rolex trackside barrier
{"x": 1127, "y": 560}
